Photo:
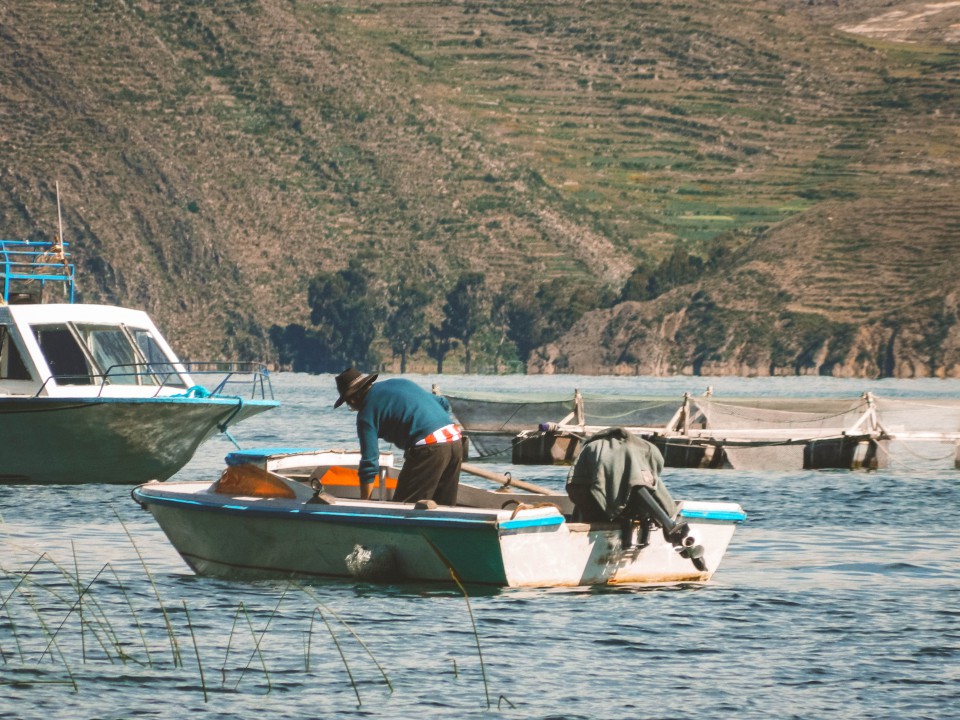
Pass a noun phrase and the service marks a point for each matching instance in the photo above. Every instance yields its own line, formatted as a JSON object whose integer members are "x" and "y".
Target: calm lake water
{"x": 839, "y": 597}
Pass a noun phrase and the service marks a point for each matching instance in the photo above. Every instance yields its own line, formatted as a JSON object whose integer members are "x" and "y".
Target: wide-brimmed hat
{"x": 350, "y": 382}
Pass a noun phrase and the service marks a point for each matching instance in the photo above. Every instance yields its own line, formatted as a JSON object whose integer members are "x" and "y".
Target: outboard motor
{"x": 617, "y": 479}
{"x": 643, "y": 510}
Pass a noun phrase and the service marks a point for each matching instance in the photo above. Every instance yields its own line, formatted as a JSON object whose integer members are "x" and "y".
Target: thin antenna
{"x": 59, "y": 221}
{"x": 58, "y": 248}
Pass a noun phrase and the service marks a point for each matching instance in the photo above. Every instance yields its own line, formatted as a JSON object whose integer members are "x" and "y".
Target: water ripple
{"x": 839, "y": 597}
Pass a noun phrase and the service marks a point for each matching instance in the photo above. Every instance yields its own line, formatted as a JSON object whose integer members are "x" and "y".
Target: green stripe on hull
{"x": 475, "y": 555}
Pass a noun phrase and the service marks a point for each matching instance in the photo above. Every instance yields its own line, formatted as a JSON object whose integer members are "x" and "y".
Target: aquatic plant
{"x": 54, "y": 616}
{"x": 473, "y": 622}
{"x": 170, "y": 634}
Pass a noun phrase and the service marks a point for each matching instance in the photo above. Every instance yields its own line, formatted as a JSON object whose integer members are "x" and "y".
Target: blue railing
{"x": 29, "y": 264}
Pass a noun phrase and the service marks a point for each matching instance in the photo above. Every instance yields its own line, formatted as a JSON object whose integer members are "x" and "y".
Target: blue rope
{"x": 197, "y": 391}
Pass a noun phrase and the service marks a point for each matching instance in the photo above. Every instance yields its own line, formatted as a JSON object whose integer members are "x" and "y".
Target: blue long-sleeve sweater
{"x": 400, "y": 412}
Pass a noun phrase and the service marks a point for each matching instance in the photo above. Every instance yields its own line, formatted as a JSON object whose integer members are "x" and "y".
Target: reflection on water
{"x": 838, "y": 596}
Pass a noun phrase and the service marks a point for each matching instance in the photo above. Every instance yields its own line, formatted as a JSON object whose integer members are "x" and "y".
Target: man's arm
{"x": 445, "y": 404}
{"x": 369, "y": 468}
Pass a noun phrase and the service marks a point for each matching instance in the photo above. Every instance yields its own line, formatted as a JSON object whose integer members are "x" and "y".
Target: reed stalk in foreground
{"x": 456, "y": 578}
{"x": 100, "y": 615}
{"x": 26, "y": 579}
{"x": 259, "y": 640}
{"x": 79, "y": 605}
{"x": 13, "y": 624}
{"x": 309, "y": 593}
{"x": 53, "y": 636}
{"x": 174, "y": 646}
{"x": 203, "y": 682}
{"x": 46, "y": 631}
{"x": 133, "y": 613}
{"x": 256, "y": 650}
{"x": 79, "y": 596}
{"x": 343, "y": 657}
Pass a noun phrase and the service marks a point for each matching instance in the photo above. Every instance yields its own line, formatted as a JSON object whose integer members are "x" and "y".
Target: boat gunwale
{"x": 405, "y": 515}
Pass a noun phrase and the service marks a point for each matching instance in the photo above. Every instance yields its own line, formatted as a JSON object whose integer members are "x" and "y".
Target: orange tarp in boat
{"x": 252, "y": 481}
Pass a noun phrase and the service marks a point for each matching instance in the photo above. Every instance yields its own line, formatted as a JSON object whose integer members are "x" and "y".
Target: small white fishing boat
{"x": 285, "y": 513}
{"x": 93, "y": 393}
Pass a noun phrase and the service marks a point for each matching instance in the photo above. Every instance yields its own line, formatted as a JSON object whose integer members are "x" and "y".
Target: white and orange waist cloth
{"x": 446, "y": 434}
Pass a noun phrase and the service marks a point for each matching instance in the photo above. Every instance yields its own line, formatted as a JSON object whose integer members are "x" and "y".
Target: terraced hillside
{"x": 679, "y": 121}
{"x": 215, "y": 156}
{"x": 860, "y": 289}
{"x": 214, "y": 159}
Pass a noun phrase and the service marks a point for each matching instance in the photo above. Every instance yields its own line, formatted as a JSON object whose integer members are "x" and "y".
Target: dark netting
{"x": 629, "y": 411}
{"x": 772, "y": 433}
{"x": 491, "y": 421}
{"x": 781, "y": 414}
{"x": 492, "y": 414}
{"x": 752, "y": 433}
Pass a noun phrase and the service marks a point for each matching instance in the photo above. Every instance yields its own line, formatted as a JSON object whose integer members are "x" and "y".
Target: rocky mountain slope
{"x": 800, "y": 300}
{"x": 213, "y": 157}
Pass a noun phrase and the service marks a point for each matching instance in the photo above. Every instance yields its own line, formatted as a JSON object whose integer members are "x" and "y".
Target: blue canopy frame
{"x": 23, "y": 261}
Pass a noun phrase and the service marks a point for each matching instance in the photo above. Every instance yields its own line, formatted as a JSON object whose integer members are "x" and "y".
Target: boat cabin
{"x": 77, "y": 350}
{"x": 85, "y": 350}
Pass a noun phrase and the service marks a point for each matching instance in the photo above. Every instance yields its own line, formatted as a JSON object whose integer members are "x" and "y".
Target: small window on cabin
{"x": 64, "y": 355}
{"x": 114, "y": 354}
{"x": 12, "y": 366}
{"x": 158, "y": 362}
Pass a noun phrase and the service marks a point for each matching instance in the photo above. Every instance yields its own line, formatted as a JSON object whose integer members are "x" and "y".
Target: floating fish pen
{"x": 746, "y": 433}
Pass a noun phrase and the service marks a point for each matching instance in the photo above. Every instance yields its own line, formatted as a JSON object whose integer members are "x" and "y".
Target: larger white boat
{"x": 93, "y": 393}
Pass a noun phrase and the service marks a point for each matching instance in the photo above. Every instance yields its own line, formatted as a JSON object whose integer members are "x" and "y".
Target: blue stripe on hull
{"x": 724, "y": 515}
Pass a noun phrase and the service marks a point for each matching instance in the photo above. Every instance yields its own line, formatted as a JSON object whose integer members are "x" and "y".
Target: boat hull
{"x": 256, "y": 538}
{"x": 126, "y": 441}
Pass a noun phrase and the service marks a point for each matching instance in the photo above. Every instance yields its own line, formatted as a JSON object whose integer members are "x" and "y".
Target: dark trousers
{"x": 430, "y": 472}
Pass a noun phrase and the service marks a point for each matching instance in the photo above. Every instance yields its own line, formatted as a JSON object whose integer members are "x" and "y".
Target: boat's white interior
{"x": 85, "y": 350}
{"x": 340, "y": 481}
{"x": 473, "y": 496}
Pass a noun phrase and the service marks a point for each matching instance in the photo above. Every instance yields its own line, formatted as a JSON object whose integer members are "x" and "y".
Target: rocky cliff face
{"x": 628, "y": 341}
{"x": 846, "y": 295}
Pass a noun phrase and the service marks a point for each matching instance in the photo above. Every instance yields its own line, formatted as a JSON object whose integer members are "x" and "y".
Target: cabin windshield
{"x": 85, "y": 354}
{"x": 114, "y": 354}
{"x": 12, "y": 366}
{"x": 65, "y": 358}
{"x": 159, "y": 363}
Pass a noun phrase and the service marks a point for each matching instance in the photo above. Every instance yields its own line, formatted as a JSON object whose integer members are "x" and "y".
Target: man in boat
{"x": 617, "y": 479}
{"x": 611, "y": 463}
{"x": 416, "y": 421}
